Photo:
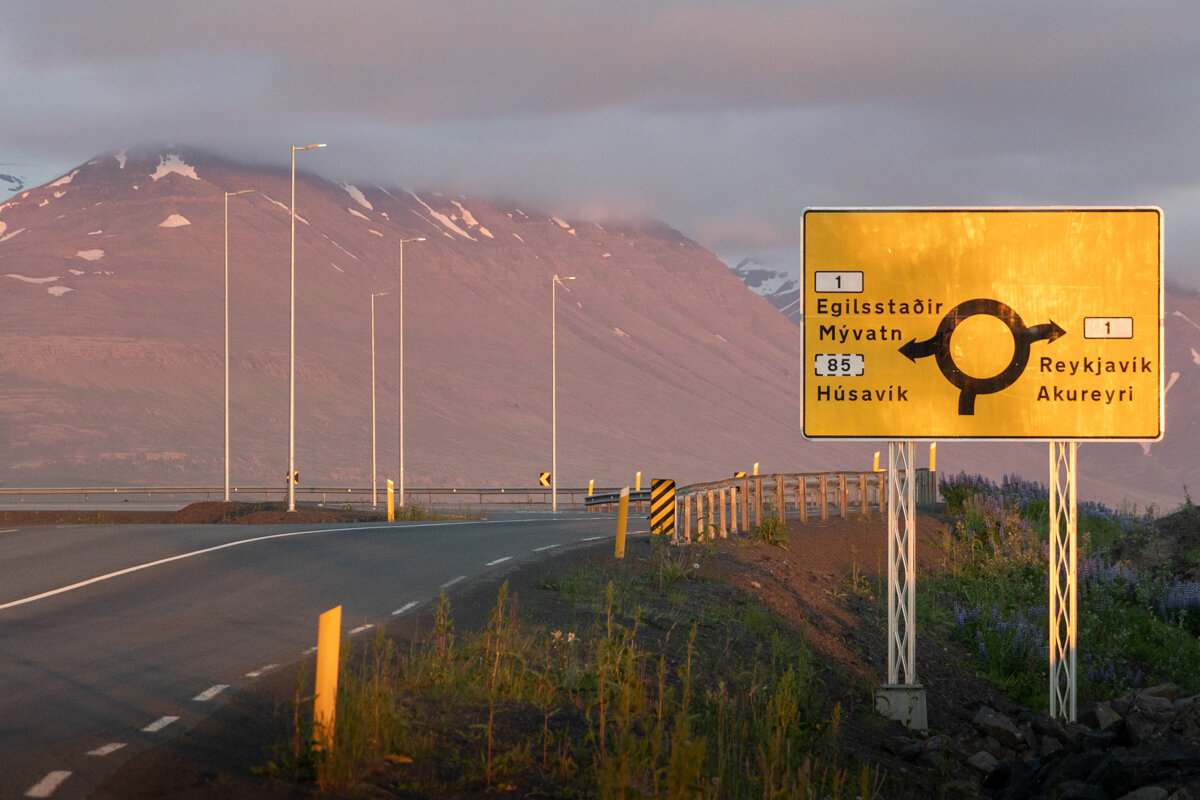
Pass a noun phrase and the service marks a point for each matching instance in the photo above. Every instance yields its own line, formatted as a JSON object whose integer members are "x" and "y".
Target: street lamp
{"x": 227, "y": 196}
{"x": 402, "y": 242}
{"x": 374, "y": 471}
{"x": 292, "y": 327}
{"x": 554, "y": 393}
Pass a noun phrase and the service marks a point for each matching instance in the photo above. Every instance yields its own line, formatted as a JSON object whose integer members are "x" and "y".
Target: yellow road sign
{"x": 544, "y": 478}
{"x": 1019, "y": 323}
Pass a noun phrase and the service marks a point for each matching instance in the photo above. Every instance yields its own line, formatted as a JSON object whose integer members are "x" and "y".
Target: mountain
{"x": 777, "y": 281}
{"x": 112, "y": 342}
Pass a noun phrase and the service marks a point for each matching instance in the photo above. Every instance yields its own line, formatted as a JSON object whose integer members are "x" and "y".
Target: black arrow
{"x": 914, "y": 349}
{"x": 1050, "y": 332}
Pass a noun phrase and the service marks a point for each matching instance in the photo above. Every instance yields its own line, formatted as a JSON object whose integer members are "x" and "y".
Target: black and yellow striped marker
{"x": 662, "y": 506}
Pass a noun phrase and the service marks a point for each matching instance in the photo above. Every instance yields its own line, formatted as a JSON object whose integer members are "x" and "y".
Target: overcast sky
{"x": 724, "y": 118}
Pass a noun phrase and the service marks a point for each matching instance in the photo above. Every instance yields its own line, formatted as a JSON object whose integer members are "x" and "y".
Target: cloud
{"x": 700, "y": 112}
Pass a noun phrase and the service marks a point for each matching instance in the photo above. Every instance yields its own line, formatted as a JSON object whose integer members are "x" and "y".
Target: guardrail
{"x": 481, "y": 496}
{"x": 607, "y": 499}
{"x": 725, "y": 506}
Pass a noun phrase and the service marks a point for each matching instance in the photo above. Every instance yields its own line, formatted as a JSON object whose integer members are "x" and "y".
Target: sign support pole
{"x": 902, "y": 701}
{"x": 1063, "y": 598}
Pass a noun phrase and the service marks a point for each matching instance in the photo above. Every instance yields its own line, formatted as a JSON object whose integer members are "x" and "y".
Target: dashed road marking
{"x": 159, "y": 724}
{"x": 210, "y": 693}
{"x": 498, "y": 561}
{"x": 593, "y": 538}
{"x": 546, "y": 547}
{"x": 360, "y": 629}
{"x": 107, "y": 749}
{"x": 49, "y": 784}
{"x": 406, "y": 607}
{"x": 10, "y": 530}
{"x": 258, "y": 673}
{"x": 453, "y": 581}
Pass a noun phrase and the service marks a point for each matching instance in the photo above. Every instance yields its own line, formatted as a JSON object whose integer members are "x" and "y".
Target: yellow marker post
{"x": 329, "y": 642}
{"x": 933, "y": 456}
{"x": 591, "y": 486}
{"x": 391, "y": 501}
{"x": 622, "y": 519}
{"x": 638, "y": 481}
{"x": 875, "y": 466}
{"x": 755, "y": 467}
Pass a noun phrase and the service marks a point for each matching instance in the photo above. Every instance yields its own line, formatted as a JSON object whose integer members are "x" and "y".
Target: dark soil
{"x": 826, "y": 584}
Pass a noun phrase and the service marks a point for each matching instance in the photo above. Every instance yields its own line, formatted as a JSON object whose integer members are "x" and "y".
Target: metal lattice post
{"x": 902, "y": 641}
{"x": 1063, "y": 598}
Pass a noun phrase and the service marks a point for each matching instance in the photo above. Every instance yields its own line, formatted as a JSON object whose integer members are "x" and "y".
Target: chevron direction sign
{"x": 544, "y": 478}
{"x": 983, "y": 323}
{"x": 662, "y": 506}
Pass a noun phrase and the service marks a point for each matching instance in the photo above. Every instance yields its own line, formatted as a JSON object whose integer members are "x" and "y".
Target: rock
{"x": 1099, "y": 716}
{"x": 1146, "y": 793}
{"x": 1048, "y": 726}
{"x": 1187, "y": 720}
{"x": 983, "y": 761}
{"x": 991, "y": 722}
{"x": 1189, "y": 792}
{"x": 1049, "y": 747}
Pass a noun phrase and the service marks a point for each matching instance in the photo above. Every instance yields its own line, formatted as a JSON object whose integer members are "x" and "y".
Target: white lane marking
{"x": 107, "y": 749}
{"x": 589, "y": 539}
{"x": 213, "y": 549}
{"x": 546, "y": 547}
{"x": 258, "y": 673}
{"x": 360, "y": 629}
{"x": 47, "y": 785}
{"x": 10, "y": 530}
{"x": 310, "y": 651}
{"x": 210, "y": 693}
{"x": 407, "y": 606}
{"x": 159, "y": 724}
{"x": 453, "y": 581}
{"x": 498, "y": 561}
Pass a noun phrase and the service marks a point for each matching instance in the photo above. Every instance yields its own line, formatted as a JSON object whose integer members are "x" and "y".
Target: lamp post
{"x": 554, "y": 393}
{"x": 401, "y": 301}
{"x": 374, "y": 471}
{"x": 292, "y": 328}
{"x": 227, "y": 196}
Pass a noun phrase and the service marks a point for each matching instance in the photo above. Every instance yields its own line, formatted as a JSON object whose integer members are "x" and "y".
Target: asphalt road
{"x": 113, "y": 637}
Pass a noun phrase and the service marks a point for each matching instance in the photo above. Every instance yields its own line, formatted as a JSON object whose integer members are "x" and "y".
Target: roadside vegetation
{"x": 638, "y": 689}
{"x": 1138, "y": 593}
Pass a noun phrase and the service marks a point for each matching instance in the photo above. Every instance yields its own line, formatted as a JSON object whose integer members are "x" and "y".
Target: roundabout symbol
{"x": 970, "y": 386}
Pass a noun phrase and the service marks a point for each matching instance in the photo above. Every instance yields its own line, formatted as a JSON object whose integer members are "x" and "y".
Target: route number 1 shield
{"x": 1023, "y": 323}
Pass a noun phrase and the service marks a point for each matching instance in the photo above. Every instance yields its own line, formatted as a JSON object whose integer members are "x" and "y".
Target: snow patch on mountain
{"x": 174, "y": 164}
{"x": 174, "y": 221}
{"x": 90, "y": 255}
{"x": 121, "y": 158}
{"x": 358, "y": 196}
{"x": 59, "y": 291}
{"x": 26, "y": 279}
{"x": 358, "y": 214}
{"x": 8, "y": 236}
{"x": 470, "y": 220}
{"x": 65, "y": 179}
{"x": 445, "y": 220}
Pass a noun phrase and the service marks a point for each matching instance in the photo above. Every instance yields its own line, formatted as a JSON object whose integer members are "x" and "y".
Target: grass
{"x": 638, "y": 695}
{"x": 1136, "y": 626}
